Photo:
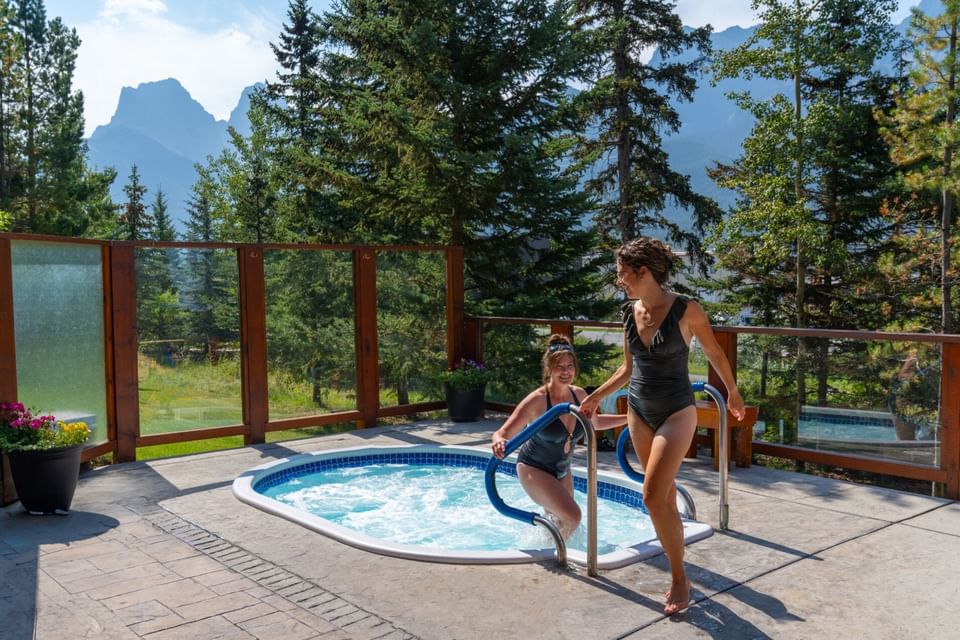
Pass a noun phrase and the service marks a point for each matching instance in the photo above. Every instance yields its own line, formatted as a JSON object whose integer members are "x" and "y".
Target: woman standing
{"x": 543, "y": 463}
{"x": 658, "y": 327}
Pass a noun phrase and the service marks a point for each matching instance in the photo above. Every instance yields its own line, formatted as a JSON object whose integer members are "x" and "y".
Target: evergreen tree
{"x": 807, "y": 227}
{"x": 924, "y": 135}
{"x": 212, "y": 290}
{"x": 290, "y": 110}
{"x": 628, "y": 101}
{"x": 44, "y": 180}
{"x": 246, "y": 177}
{"x": 136, "y": 222}
{"x": 448, "y": 123}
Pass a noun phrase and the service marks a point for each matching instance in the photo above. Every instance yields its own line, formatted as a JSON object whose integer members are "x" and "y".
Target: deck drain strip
{"x": 309, "y": 596}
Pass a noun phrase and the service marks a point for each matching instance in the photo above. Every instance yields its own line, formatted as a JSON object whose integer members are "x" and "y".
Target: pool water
{"x": 445, "y": 507}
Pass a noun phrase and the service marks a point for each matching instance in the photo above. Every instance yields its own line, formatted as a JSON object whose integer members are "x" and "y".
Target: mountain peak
{"x": 165, "y": 111}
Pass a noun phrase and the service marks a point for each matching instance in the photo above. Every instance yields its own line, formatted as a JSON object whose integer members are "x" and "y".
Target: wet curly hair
{"x": 649, "y": 253}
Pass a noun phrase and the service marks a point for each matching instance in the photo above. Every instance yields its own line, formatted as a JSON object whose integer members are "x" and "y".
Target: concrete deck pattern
{"x": 162, "y": 550}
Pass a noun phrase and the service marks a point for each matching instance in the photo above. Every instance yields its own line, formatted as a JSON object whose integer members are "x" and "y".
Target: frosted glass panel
{"x": 58, "y": 319}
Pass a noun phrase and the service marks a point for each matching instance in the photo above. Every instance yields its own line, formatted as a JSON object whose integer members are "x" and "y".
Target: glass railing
{"x": 58, "y": 322}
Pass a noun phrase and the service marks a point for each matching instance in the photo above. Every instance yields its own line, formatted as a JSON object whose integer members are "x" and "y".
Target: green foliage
{"x": 629, "y": 101}
{"x": 44, "y": 180}
{"x": 803, "y": 242}
{"x": 924, "y": 136}
{"x": 466, "y": 374}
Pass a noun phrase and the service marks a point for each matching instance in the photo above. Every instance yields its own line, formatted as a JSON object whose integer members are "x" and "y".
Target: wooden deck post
{"x": 365, "y": 328}
{"x": 253, "y": 343}
{"x": 950, "y": 418}
{"x": 563, "y": 330}
{"x": 126, "y": 384}
{"x": 8, "y": 358}
{"x": 728, "y": 342}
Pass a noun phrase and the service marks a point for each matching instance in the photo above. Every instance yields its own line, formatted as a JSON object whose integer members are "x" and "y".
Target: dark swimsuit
{"x": 544, "y": 451}
{"x": 660, "y": 383}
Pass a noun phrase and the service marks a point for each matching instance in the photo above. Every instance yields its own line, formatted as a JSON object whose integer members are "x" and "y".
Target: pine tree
{"x": 290, "y": 109}
{"x": 924, "y": 133}
{"x": 136, "y": 222}
{"x": 211, "y": 293}
{"x": 44, "y": 179}
{"x": 806, "y": 233}
{"x": 628, "y": 101}
{"x": 449, "y": 123}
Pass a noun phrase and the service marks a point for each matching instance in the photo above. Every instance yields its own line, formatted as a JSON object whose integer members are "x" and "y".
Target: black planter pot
{"x": 464, "y": 405}
{"x": 45, "y": 480}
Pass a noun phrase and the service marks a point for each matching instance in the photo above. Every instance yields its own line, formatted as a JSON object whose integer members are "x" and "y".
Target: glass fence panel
{"x": 188, "y": 327}
{"x": 411, "y": 325}
{"x": 311, "y": 348}
{"x": 59, "y": 324}
{"x": 873, "y": 398}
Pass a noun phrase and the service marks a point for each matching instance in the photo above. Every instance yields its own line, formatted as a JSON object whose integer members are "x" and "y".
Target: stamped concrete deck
{"x": 163, "y": 550}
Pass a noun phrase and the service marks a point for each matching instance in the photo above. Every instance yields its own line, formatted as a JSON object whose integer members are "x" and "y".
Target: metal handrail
{"x": 534, "y": 518}
{"x": 723, "y": 454}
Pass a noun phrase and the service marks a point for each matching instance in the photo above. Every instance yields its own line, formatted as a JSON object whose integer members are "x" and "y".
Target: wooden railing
{"x": 120, "y": 339}
{"x": 947, "y": 473}
{"x": 464, "y": 339}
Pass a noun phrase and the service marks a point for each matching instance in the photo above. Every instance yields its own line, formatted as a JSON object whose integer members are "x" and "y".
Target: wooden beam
{"x": 8, "y": 343}
{"x": 8, "y": 358}
{"x": 455, "y": 319}
{"x": 318, "y": 420}
{"x": 126, "y": 385}
{"x": 175, "y": 437}
{"x": 473, "y": 339}
{"x": 728, "y": 342}
{"x": 253, "y": 343}
{"x": 950, "y": 419}
{"x": 851, "y": 461}
{"x": 365, "y": 331}
{"x": 563, "y": 329}
{"x": 108, "y": 350}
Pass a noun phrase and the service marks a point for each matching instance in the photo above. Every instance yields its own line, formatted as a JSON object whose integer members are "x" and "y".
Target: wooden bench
{"x": 708, "y": 417}
{"x": 741, "y": 432}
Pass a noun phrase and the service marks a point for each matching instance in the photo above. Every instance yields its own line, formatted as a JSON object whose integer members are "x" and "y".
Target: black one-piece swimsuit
{"x": 545, "y": 450}
{"x": 660, "y": 382}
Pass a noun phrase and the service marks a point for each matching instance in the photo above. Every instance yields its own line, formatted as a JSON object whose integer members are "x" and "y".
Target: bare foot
{"x": 678, "y": 598}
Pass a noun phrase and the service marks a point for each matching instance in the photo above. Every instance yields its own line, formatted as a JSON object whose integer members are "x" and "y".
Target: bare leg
{"x": 661, "y": 454}
{"x": 555, "y": 496}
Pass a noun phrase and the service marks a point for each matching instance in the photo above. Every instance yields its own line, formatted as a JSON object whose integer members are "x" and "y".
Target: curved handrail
{"x": 530, "y": 517}
{"x": 723, "y": 454}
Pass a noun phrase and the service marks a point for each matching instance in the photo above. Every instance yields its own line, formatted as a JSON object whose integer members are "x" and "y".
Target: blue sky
{"x": 215, "y": 48}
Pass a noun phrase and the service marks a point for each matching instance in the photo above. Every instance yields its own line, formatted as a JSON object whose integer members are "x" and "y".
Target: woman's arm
{"x": 619, "y": 378}
{"x": 604, "y": 421}
{"x": 699, "y": 324}
{"x": 522, "y": 414}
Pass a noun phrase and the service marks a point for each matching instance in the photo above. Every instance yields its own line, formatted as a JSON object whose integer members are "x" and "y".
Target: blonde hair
{"x": 558, "y": 347}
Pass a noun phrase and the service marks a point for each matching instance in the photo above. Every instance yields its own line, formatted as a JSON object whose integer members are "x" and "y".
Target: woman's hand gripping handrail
{"x": 534, "y": 518}
{"x": 635, "y": 475}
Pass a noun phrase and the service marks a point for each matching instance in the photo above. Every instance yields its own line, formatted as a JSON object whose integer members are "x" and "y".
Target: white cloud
{"x": 120, "y": 8}
{"x": 131, "y": 41}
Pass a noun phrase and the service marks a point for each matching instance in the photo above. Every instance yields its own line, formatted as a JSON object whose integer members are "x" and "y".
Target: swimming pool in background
{"x": 829, "y": 424}
{"x": 428, "y": 502}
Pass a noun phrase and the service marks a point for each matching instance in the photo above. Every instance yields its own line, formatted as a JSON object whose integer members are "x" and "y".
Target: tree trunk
{"x": 946, "y": 222}
{"x": 626, "y": 224}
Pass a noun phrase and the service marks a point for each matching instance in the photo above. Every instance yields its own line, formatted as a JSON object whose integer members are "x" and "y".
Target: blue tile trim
{"x": 605, "y": 490}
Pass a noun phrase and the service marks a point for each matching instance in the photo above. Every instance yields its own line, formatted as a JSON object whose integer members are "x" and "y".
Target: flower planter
{"x": 46, "y": 479}
{"x": 464, "y": 405}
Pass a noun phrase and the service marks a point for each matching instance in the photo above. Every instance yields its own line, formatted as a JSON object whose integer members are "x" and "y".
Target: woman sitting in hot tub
{"x": 543, "y": 462}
